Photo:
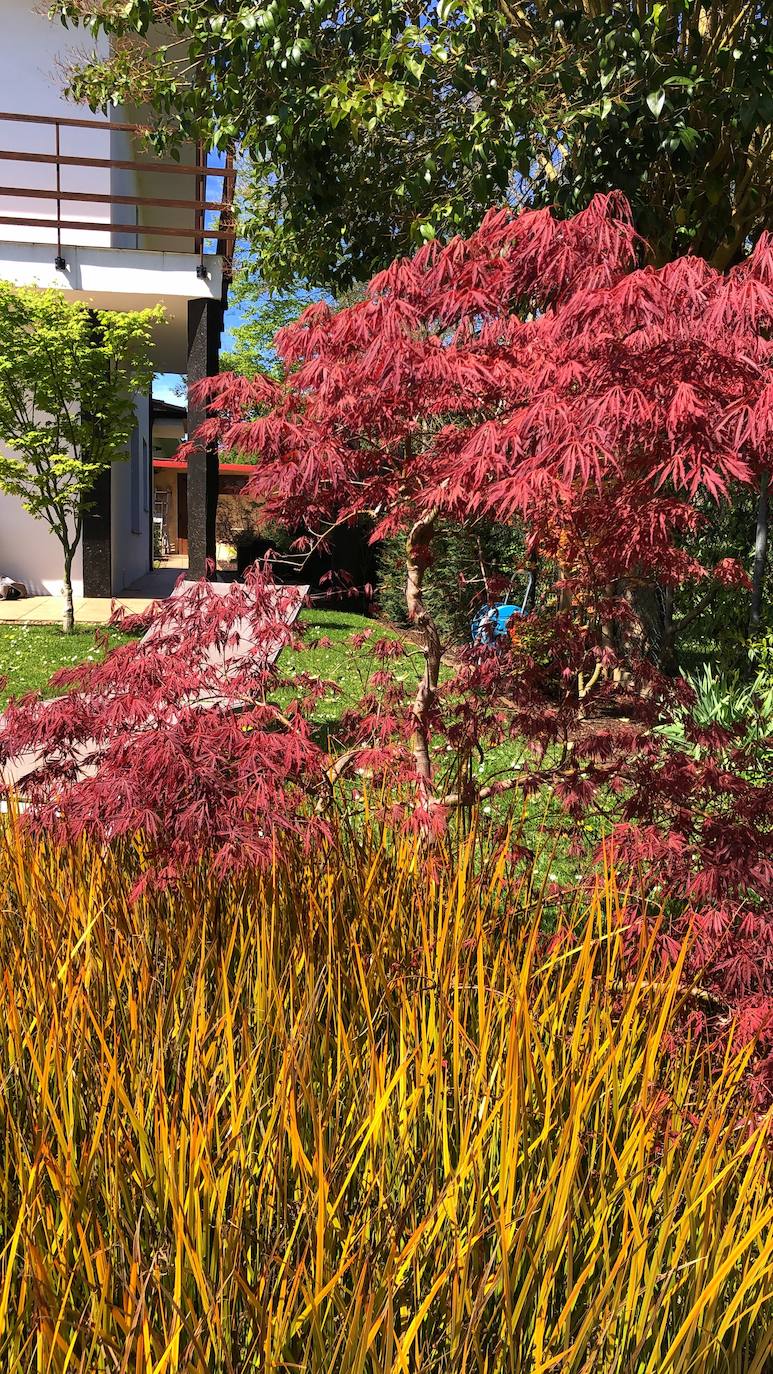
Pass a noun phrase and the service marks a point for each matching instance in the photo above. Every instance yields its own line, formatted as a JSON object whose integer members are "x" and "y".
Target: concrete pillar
{"x": 205, "y": 321}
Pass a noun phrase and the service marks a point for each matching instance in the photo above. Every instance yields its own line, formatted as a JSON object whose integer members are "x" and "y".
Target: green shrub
{"x": 742, "y": 702}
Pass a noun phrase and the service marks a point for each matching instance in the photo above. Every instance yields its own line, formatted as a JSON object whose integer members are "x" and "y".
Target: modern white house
{"x": 85, "y": 207}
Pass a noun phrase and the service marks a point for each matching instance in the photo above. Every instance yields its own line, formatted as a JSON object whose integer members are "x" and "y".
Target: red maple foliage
{"x": 177, "y": 736}
{"x": 533, "y": 372}
{"x": 536, "y": 372}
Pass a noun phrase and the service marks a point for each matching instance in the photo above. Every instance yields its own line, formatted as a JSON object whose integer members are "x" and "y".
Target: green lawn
{"x": 540, "y": 821}
{"x": 341, "y": 662}
{"x": 29, "y": 654}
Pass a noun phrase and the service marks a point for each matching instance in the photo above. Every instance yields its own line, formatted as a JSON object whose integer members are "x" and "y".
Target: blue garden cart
{"x": 491, "y": 622}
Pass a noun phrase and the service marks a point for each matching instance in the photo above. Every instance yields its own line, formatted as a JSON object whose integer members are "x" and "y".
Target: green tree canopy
{"x": 68, "y": 375}
{"x": 259, "y": 315}
{"x": 371, "y": 126}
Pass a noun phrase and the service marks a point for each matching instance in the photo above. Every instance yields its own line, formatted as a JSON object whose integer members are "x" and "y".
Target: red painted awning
{"x": 237, "y": 469}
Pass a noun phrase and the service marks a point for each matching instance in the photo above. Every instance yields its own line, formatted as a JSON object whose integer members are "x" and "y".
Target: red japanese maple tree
{"x": 537, "y": 372}
{"x": 533, "y": 372}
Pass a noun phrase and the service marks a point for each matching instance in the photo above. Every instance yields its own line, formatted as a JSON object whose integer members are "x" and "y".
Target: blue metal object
{"x": 491, "y": 622}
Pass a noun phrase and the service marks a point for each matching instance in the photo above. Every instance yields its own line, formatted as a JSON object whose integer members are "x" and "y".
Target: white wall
{"x": 115, "y": 279}
{"x": 31, "y": 554}
{"x": 155, "y": 185}
{"x": 33, "y": 54}
{"x": 131, "y": 519}
{"x": 123, "y": 182}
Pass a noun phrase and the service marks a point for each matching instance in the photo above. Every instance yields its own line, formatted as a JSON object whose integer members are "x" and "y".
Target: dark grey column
{"x": 97, "y": 526}
{"x": 97, "y": 570}
{"x": 205, "y": 321}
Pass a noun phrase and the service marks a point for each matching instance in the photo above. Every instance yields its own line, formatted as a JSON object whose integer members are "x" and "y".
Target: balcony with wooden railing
{"x": 93, "y": 182}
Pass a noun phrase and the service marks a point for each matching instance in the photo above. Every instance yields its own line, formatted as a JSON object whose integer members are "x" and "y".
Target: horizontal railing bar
{"x": 89, "y": 197}
{"x": 68, "y": 123}
{"x": 106, "y": 227}
{"x": 189, "y": 169}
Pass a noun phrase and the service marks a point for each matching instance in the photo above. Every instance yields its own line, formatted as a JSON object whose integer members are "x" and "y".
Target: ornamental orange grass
{"x": 353, "y": 1116}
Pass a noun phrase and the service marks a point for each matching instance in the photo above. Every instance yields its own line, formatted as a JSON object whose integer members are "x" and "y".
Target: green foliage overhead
{"x": 370, "y": 128}
{"x": 671, "y": 103}
{"x": 68, "y": 375}
{"x": 366, "y": 127}
{"x": 260, "y": 315}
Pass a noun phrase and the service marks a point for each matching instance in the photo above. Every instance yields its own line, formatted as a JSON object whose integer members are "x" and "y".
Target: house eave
{"x": 123, "y": 279}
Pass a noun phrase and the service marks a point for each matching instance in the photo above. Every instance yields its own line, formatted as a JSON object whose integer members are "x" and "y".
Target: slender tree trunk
{"x": 669, "y": 658}
{"x": 760, "y": 556}
{"x": 418, "y": 556}
{"x": 68, "y": 615}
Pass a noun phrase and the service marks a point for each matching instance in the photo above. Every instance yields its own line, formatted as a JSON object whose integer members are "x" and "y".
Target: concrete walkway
{"x": 93, "y": 610}
{"x": 48, "y": 610}
{"x": 158, "y": 584}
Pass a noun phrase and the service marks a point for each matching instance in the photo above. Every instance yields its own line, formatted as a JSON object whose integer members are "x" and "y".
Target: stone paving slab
{"x": 48, "y": 610}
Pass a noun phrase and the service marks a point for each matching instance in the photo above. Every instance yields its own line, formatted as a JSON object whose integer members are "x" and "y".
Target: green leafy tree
{"x": 366, "y": 128}
{"x": 68, "y": 375}
{"x": 671, "y": 103}
{"x": 369, "y": 128}
{"x": 259, "y": 315}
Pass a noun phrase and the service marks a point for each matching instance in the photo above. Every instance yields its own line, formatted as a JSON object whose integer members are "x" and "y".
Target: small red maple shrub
{"x": 178, "y": 737}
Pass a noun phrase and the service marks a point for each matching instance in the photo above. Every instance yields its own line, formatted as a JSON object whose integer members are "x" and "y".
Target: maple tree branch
{"x": 418, "y": 557}
{"x": 760, "y": 555}
{"x": 334, "y": 773}
{"x": 495, "y": 789}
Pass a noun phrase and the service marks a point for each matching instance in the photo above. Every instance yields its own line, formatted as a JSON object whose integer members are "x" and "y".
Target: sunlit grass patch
{"x": 30, "y": 654}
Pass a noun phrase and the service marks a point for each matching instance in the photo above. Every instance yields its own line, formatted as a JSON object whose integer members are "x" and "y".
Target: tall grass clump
{"x": 355, "y": 1115}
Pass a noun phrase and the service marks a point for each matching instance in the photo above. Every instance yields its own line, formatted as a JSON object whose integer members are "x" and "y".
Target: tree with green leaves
{"x": 259, "y": 315}
{"x": 368, "y": 128}
{"x": 68, "y": 376}
{"x": 672, "y": 104}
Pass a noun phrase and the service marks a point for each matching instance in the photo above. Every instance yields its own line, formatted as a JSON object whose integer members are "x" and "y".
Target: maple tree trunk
{"x": 68, "y": 614}
{"x": 651, "y": 634}
{"x": 418, "y": 556}
{"x": 760, "y": 556}
{"x": 669, "y": 659}
{"x": 530, "y": 599}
